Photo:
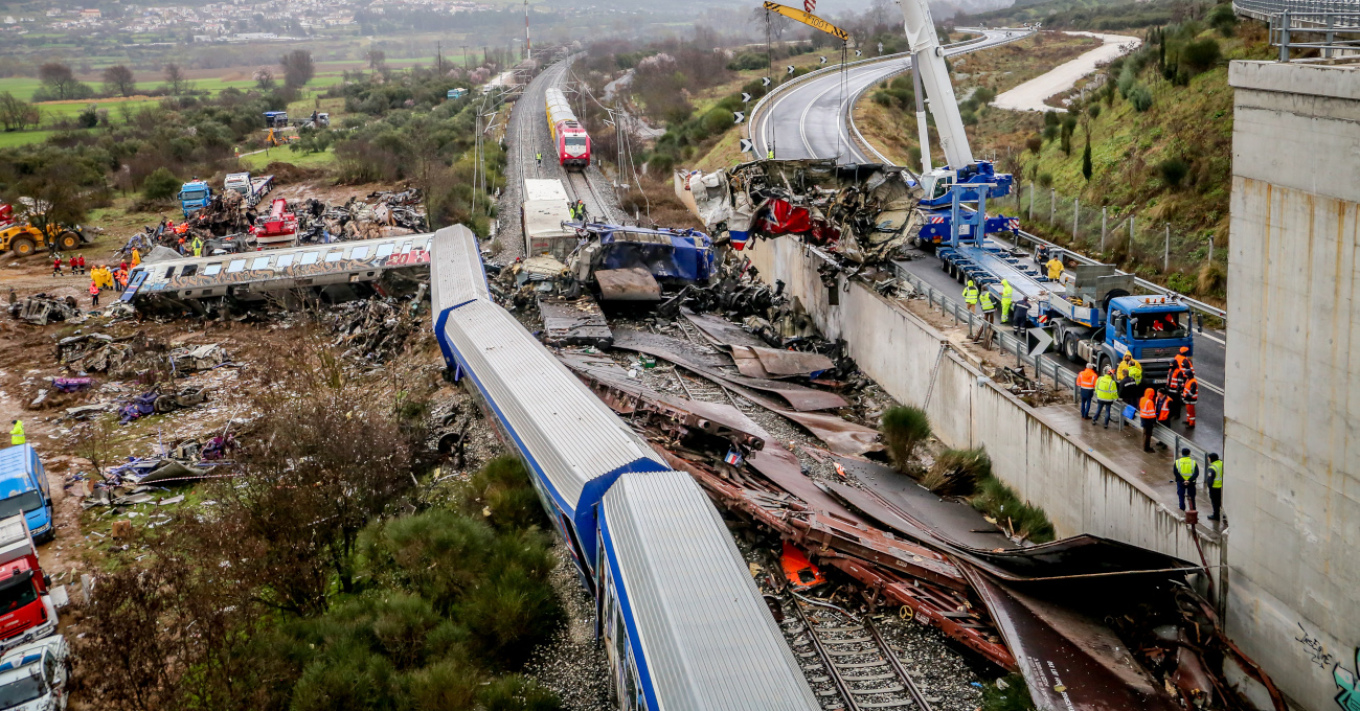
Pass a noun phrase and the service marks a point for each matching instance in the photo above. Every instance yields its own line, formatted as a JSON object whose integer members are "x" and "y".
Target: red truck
{"x": 277, "y": 229}
{"x": 26, "y": 609}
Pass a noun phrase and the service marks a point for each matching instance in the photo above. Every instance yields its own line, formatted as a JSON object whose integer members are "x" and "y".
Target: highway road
{"x": 809, "y": 120}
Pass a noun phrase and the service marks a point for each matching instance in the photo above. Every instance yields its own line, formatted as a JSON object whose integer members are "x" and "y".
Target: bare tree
{"x": 176, "y": 82}
{"x": 377, "y": 60}
{"x": 118, "y": 80}
{"x": 298, "y": 68}
{"x": 264, "y": 78}
{"x": 59, "y": 78}
{"x": 15, "y": 113}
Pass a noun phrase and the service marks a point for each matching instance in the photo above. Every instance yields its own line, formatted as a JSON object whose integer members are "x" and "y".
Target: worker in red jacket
{"x": 56, "y": 265}
{"x": 80, "y": 263}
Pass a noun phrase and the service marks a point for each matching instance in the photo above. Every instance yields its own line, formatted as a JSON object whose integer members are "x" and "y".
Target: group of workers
{"x": 577, "y": 210}
{"x": 977, "y": 298}
{"x": 76, "y": 262}
{"x": 1163, "y": 404}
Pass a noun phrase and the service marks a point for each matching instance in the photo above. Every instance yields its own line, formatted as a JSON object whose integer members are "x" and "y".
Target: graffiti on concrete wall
{"x": 1348, "y": 696}
{"x": 1314, "y": 649}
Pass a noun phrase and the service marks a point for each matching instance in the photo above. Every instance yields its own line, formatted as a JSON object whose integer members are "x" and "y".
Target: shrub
{"x": 984, "y": 95}
{"x": 1035, "y": 144}
{"x": 1173, "y": 171}
{"x": 517, "y": 693}
{"x": 1086, "y": 167}
{"x": 1212, "y": 281}
{"x": 349, "y": 677}
{"x": 160, "y": 185}
{"x": 1223, "y": 19}
{"x": 1140, "y": 97}
{"x": 1009, "y": 693}
{"x": 904, "y": 428}
{"x": 1050, "y": 132}
{"x": 1201, "y": 55}
{"x": 1093, "y": 110}
{"x": 1001, "y": 503}
{"x": 502, "y": 493}
{"x": 747, "y": 61}
{"x": 957, "y": 471}
{"x": 883, "y": 98}
{"x": 1046, "y": 180}
{"x": 447, "y": 684}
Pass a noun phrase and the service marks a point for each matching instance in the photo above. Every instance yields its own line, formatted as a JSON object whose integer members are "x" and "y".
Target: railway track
{"x": 583, "y": 188}
{"x": 847, "y": 661}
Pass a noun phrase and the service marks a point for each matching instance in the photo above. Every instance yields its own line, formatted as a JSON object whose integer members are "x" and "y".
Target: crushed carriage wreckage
{"x": 862, "y": 212}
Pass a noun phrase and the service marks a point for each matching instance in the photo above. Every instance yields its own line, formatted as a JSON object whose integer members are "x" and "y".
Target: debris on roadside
{"x": 577, "y": 322}
{"x": 41, "y": 309}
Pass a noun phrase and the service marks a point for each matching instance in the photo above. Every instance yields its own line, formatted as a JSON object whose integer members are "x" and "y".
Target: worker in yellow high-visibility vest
{"x": 970, "y": 296}
{"x": 16, "y": 434}
{"x": 1007, "y": 293}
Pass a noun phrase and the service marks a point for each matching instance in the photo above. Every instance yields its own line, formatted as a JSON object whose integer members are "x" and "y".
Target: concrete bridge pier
{"x": 1292, "y": 407}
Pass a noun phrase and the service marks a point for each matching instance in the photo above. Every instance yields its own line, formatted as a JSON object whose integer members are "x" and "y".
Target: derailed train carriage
{"x": 684, "y": 624}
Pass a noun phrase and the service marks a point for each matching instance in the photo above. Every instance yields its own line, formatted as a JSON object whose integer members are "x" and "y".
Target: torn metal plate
{"x": 632, "y": 284}
{"x": 722, "y": 331}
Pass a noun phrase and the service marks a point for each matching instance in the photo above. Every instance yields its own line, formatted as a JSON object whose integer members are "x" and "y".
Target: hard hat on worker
{"x": 1185, "y": 349}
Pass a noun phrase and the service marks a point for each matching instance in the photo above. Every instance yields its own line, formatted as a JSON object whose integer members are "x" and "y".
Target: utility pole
{"x": 528, "y": 48}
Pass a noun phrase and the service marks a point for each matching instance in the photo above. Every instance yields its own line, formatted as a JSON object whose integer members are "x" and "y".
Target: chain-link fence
{"x": 1113, "y": 234}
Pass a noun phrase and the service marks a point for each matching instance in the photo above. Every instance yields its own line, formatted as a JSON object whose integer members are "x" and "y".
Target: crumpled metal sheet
{"x": 721, "y": 331}
{"x": 800, "y": 398}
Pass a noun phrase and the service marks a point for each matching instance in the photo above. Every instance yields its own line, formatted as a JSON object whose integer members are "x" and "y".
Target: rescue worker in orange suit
{"x": 1175, "y": 383}
{"x": 1190, "y": 394}
{"x": 1147, "y": 415}
{"x": 1163, "y": 405}
{"x": 1183, "y": 358}
{"x": 1086, "y": 386}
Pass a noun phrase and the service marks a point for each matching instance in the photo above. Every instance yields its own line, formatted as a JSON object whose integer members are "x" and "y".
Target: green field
{"x": 256, "y": 162}
{"x": 19, "y": 138}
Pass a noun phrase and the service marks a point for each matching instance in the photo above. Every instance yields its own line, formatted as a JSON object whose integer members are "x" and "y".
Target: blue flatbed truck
{"x": 1091, "y": 310}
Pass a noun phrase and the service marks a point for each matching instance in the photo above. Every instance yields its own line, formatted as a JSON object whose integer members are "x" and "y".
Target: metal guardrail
{"x": 1336, "y": 21}
{"x": 1044, "y": 365}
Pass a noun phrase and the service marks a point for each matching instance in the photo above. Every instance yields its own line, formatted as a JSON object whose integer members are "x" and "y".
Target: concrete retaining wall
{"x": 1079, "y": 489}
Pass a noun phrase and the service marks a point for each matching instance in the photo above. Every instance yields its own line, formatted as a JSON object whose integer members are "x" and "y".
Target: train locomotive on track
{"x": 683, "y": 624}
{"x": 570, "y": 140}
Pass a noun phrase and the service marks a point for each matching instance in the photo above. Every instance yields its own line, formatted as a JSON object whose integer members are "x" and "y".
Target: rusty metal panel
{"x": 574, "y": 323}
{"x": 721, "y": 331}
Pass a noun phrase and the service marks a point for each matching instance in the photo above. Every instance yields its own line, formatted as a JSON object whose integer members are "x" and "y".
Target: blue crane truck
{"x": 1092, "y": 311}
{"x": 194, "y": 195}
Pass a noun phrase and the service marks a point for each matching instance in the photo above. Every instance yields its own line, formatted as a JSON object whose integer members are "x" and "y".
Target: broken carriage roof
{"x": 307, "y": 265}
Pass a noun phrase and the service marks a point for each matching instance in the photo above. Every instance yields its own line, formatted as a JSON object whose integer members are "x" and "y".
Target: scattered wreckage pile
{"x": 229, "y": 224}
{"x": 862, "y": 213}
{"x": 138, "y": 358}
{"x": 137, "y": 480}
{"x": 1088, "y": 622}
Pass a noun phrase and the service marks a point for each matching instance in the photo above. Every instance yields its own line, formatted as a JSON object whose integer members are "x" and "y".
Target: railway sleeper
{"x": 869, "y": 677}
{"x": 884, "y": 690}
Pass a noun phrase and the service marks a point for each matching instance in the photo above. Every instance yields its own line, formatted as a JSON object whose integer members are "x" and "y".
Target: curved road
{"x": 808, "y": 120}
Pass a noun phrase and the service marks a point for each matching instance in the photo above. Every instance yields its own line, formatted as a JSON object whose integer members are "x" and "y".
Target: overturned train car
{"x": 680, "y": 616}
